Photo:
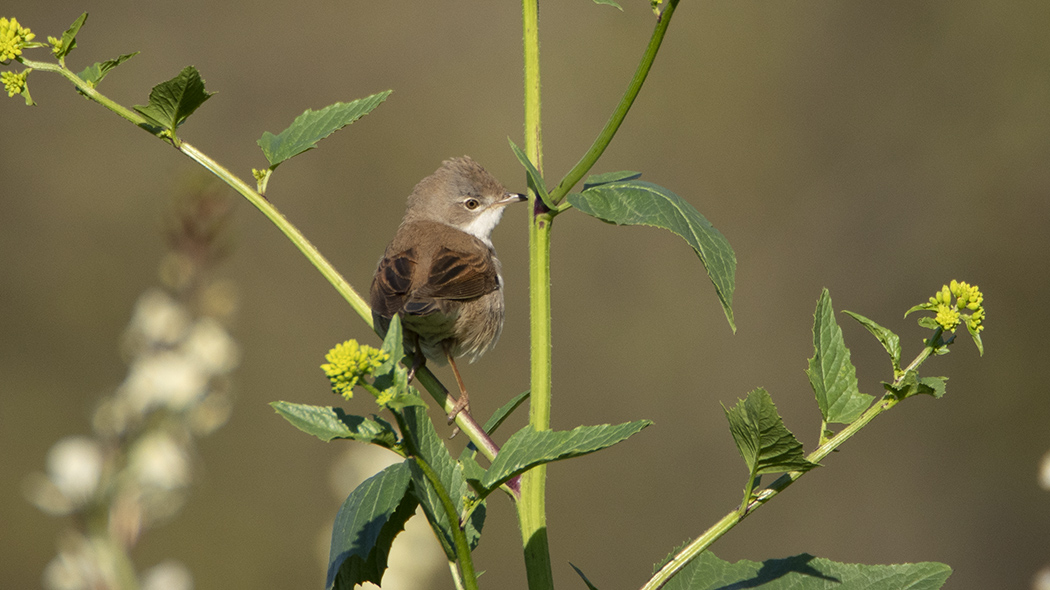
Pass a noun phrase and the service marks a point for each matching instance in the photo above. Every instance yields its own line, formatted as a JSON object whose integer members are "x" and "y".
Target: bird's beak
{"x": 511, "y": 198}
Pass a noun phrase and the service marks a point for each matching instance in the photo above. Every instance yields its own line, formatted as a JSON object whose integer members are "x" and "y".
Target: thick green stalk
{"x": 532, "y": 518}
{"x": 605, "y": 136}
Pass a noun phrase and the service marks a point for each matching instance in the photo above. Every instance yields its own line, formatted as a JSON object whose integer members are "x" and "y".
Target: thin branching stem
{"x": 620, "y": 113}
{"x": 723, "y": 526}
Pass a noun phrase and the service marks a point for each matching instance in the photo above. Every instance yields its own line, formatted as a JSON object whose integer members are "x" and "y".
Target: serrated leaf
{"x": 890, "y": 341}
{"x": 832, "y": 375}
{"x": 534, "y": 176}
{"x": 365, "y": 527}
{"x": 911, "y": 385}
{"x": 173, "y": 101}
{"x": 606, "y": 177}
{"x": 607, "y": 3}
{"x": 94, "y": 73}
{"x": 432, "y": 449}
{"x": 527, "y": 448}
{"x": 636, "y": 202}
{"x": 765, "y": 443}
{"x": 805, "y": 572}
{"x": 312, "y": 126}
{"x": 69, "y": 38}
{"x": 327, "y": 424}
{"x": 587, "y": 582}
{"x": 937, "y": 384}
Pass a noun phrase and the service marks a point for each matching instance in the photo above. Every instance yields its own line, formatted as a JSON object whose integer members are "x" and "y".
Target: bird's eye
{"x": 472, "y": 204}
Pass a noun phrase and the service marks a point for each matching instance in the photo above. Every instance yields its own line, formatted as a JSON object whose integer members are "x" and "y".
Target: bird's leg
{"x": 463, "y": 402}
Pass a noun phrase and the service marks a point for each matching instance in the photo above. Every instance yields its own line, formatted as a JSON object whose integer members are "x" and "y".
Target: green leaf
{"x": 765, "y": 443}
{"x": 607, "y": 177}
{"x": 635, "y": 202}
{"x": 69, "y": 38}
{"x": 365, "y": 527}
{"x": 392, "y": 378}
{"x": 921, "y": 307}
{"x": 433, "y": 450}
{"x": 473, "y": 472}
{"x": 976, "y": 336}
{"x": 528, "y": 448}
{"x": 911, "y": 385}
{"x": 312, "y": 126}
{"x": 172, "y": 102}
{"x": 805, "y": 572}
{"x": 928, "y": 322}
{"x": 504, "y": 412}
{"x": 590, "y": 586}
{"x": 607, "y": 3}
{"x": 393, "y": 345}
{"x": 94, "y": 73}
{"x": 832, "y": 375}
{"x": 937, "y": 384}
{"x": 890, "y": 341}
{"x": 535, "y": 179}
{"x": 327, "y": 424}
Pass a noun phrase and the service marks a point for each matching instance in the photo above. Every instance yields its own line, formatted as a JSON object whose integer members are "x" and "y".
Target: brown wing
{"x": 459, "y": 275}
{"x": 392, "y": 282}
{"x": 442, "y": 266}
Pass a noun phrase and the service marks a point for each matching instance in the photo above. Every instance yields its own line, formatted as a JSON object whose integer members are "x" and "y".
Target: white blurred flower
{"x": 159, "y": 462}
{"x": 76, "y": 567}
{"x": 1044, "y": 471}
{"x": 1042, "y": 579}
{"x": 158, "y": 319}
{"x": 209, "y": 345}
{"x": 166, "y": 379}
{"x": 74, "y": 465}
{"x": 356, "y": 464}
{"x": 167, "y": 575}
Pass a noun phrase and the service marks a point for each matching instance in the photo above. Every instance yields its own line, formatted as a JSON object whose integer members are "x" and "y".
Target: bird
{"x": 440, "y": 272}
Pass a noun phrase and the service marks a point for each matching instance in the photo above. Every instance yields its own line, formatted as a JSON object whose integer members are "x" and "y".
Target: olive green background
{"x": 879, "y": 149}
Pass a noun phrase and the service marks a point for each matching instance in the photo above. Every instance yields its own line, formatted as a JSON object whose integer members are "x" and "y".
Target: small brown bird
{"x": 440, "y": 272}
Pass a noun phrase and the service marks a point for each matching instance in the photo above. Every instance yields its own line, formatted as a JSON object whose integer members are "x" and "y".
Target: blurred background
{"x": 879, "y": 149}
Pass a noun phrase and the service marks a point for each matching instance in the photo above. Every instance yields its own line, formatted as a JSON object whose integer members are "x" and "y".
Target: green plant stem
{"x": 531, "y": 506}
{"x": 304, "y": 245}
{"x": 359, "y": 305}
{"x": 88, "y": 90}
{"x": 605, "y": 137}
{"x": 459, "y": 538}
{"x": 112, "y": 556}
{"x": 723, "y": 526}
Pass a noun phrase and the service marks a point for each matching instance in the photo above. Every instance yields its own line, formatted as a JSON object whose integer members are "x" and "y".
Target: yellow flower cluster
{"x": 13, "y": 83}
{"x": 967, "y": 297}
{"x": 13, "y": 37}
{"x": 348, "y": 363}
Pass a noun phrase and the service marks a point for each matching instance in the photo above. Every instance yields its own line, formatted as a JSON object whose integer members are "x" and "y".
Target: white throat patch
{"x": 481, "y": 227}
